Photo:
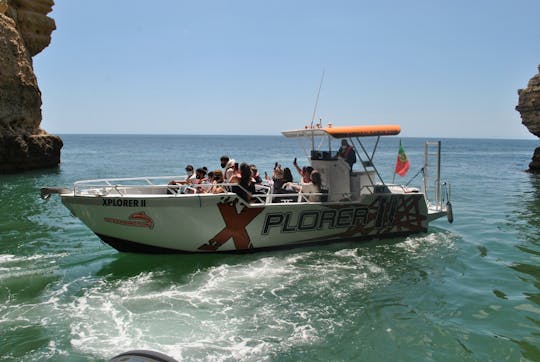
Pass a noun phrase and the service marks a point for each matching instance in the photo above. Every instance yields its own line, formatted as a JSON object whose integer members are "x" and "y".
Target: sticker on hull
{"x": 385, "y": 215}
{"x": 235, "y": 226}
{"x": 137, "y": 219}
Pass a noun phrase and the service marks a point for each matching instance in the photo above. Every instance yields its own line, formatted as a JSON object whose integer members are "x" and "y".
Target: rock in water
{"x": 25, "y": 30}
{"x": 529, "y": 108}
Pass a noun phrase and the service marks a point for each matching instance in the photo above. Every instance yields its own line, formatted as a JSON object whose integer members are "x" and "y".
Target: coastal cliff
{"x": 25, "y": 30}
{"x": 529, "y": 108}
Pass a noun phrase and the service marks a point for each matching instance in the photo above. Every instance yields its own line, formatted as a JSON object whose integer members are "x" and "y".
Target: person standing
{"x": 347, "y": 152}
{"x": 227, "y": 164}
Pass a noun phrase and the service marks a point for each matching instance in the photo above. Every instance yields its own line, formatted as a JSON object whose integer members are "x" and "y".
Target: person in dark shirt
{"x": 347, "y": 153}
{"x": 255, "y": 174}
{"x": 246, "y": 183}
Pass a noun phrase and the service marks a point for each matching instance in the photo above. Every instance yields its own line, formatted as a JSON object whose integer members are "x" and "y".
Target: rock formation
{"x": 529, "y": 107}
{"x": 25, "y": 30}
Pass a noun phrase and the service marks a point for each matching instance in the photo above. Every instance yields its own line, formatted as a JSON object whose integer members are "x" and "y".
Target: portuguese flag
{"x": 402, "y": 163}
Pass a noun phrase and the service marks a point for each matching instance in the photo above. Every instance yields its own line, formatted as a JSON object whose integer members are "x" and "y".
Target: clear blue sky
{"x": 437, "y": 68}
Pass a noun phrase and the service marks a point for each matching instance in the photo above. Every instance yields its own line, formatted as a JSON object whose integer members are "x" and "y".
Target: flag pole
{"x": 394, "y": 178}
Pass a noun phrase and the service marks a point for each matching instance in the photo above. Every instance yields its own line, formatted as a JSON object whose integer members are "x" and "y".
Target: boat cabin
{"x": 339, "y": 180}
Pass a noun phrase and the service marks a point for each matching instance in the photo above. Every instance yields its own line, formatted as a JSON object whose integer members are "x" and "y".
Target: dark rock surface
{"x": 529, "y": 108}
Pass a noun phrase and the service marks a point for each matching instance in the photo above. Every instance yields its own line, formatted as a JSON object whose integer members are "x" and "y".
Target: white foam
{"x": 241, "y": 312}
{"x": 427, "y": 242}
{"x": 15, "y": 267}
{"x": 7, "y": 259}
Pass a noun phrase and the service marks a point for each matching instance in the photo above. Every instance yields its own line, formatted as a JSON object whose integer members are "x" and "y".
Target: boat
{"x": 147, "y": 215}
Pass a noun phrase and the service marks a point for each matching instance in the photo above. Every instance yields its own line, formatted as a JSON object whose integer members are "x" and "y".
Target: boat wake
{"x": 262, "y": 309}
{"x": 259, "y": 307}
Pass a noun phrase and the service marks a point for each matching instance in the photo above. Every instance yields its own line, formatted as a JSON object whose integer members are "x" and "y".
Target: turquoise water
{"x": 468, "y": 291}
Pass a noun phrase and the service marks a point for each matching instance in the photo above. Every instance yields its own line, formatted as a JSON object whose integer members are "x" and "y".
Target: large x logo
{"x": 235, "y": 227}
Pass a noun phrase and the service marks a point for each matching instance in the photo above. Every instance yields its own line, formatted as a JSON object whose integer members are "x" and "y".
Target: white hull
{"x": 224, "y": 223}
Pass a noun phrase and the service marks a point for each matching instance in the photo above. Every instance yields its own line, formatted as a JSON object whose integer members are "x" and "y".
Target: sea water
{"x": 465, "y": 291}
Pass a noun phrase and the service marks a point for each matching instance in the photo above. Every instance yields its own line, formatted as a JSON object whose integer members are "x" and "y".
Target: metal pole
{"x": 426, "y": 170}
{"x": 438, "y": 181}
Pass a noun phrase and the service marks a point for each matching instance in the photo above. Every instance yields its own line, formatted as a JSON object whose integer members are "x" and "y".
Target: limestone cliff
{"x": 25, "y": 30}
{"x": 529, "y": 108}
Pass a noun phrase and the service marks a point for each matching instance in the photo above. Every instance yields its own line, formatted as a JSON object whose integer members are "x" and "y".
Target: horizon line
{"x": 273, "y": 135}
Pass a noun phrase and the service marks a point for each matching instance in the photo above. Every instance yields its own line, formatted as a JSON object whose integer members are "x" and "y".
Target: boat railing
{"x": 160, "y": 185}
{"x": 387, "y": 189}
{"x": 263, "y": 195}
{"x": 443, "y": 196}
{"x": 437, "y": 192}
{"x": 120, "y": 186}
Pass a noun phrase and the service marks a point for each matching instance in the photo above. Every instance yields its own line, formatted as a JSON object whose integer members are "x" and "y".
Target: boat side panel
{"x": 374, "y": 216}
{"x": 163, "y": 222}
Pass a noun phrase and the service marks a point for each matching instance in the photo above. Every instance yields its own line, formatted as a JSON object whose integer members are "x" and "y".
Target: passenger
{"x": 347, "y": 153}
{"x": 200, "y": 175}
{"x": 205, "y": 182}
{"x": 227, "y": 164}
{"x": 236, "y": 172}
{"x": 305, "y": 171}
{"x": 287, "y": 175}
{"x": 246, "y": 183}
{"x": 255, "y": 174}
{"x": 312, "y": 187}
{"x": 277, "y": 179}
{"x": 217, "y": 187}
{"x": 189, "y": 177}
{"x": 287, "y": 180}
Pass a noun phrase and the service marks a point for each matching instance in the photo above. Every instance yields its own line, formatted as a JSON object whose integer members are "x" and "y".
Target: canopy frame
{"x": 353, "y": 134}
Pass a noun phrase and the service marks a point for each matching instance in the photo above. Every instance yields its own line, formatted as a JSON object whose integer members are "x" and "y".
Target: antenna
{"x": 317, "y": 100}
{"x": 314, "y": 111}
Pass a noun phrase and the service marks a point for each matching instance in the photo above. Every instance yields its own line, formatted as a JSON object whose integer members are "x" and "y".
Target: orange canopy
{"x": 359, "y": 131}
{"x": 346, "y": 131}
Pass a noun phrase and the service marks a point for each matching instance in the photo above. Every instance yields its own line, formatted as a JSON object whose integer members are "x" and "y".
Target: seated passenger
{"x": 200, "y": 175}
{"x": 246, "y": 183}
{"x": 206, "y": 182}
{"x": 217, "y": 188}
{"x": 255, "y": 174}
{"x": 189, "y": 171}
{"x": 312, "y": 187}
{"x": 277, "y": 179}
{"x": 304, "y": 171}
{"x": 188, "y": 179}
{"x": 287, "y": 180}
{"x": 236, "y": 172}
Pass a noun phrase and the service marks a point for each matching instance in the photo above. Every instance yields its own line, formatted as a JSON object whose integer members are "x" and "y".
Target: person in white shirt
{"x": 227, "y": 164}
